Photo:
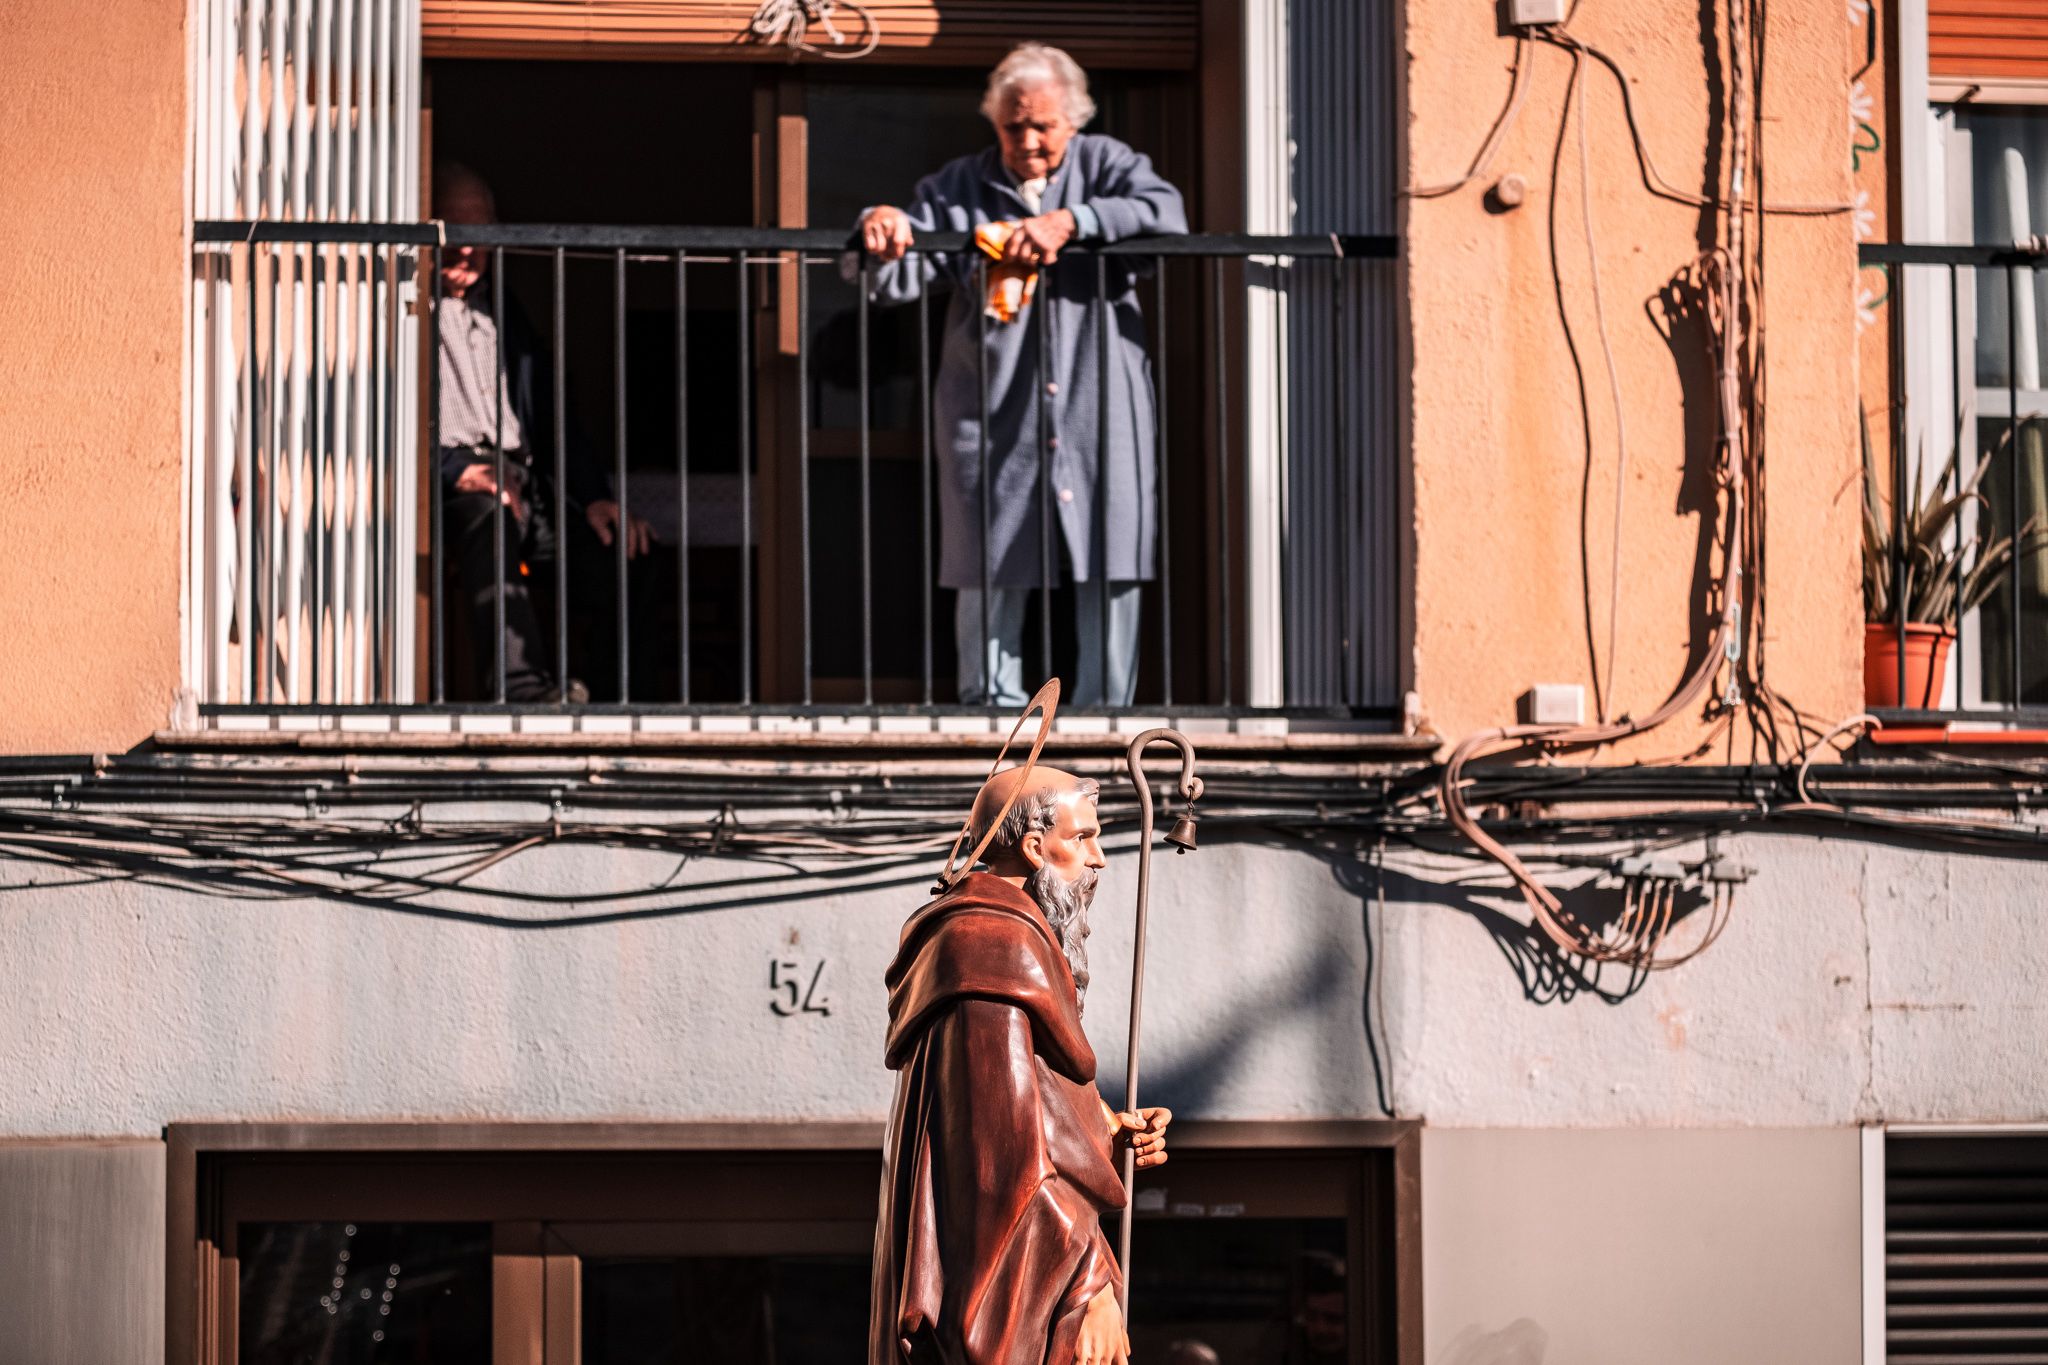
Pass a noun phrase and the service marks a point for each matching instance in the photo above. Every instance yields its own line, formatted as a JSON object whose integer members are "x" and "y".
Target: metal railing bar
{"x": 924, "y": 468}
{"x": 1940, "y": 253}
{"x": 1899, "y": 390}
{"x": 267, "y": 469}
{"x": 1099, "y": 513}
{"x": 1042, "y": 400}
{"x": 1955, "y": 323}
{"x": 316, "y": 460}
{"x": 980, "y": 306}
{"x": 363, "y": 337}
{"x": 621, "y": 540}
{"x": 2012, "y": 410}
{"x": 1339, "y": 465}
{"x": 612, "y": 237}
{"x": 1165, "y": 514}
{"x": 558, "y": 346}
{"x": 746, "y": 425}
{"x": 373, "y": 474}
{"x": 245, "y": 550}
{"x": 682, "y": 477}
{"x": 294, "y": 454}
{"x": 1222, "y": 381}
{"x": 867, "y": 565}
{"x": 803, "y": 445}
{"x": 501, "y": 510}
{"x": 387, "y": 638}
{"x": 437, "y": 607}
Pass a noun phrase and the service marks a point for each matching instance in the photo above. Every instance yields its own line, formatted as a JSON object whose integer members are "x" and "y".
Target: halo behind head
{"x": 1047, "y": 703}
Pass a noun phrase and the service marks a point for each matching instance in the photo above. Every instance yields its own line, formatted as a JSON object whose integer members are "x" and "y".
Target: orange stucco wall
{"x": 92, "y": 158}
{"x": 1514, "y": 516}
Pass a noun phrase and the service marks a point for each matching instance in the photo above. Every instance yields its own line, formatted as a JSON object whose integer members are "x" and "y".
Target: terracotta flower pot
{"x": 1926, "y": 665}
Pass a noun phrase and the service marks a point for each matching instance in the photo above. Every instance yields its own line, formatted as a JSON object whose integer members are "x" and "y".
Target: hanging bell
{"x": 1182, "y": 836}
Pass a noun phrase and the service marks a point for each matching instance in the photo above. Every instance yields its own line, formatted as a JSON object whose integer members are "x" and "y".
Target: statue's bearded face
{"x": 1063, "y": 883}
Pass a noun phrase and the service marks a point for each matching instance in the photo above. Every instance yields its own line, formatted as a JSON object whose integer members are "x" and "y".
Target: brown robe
{"x": 997, "y": 1168}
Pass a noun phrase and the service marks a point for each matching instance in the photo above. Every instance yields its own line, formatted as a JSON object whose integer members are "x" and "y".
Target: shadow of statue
{"x": 1521, "y": 1342}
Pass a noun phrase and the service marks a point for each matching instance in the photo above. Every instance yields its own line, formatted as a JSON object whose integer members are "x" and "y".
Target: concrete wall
{"x": 1850, "y": 986}
{"x": 92, "y": 265}
{"x": 82, "y": 1253}
{"x": 152, "y": 1005}
{"x": 1855, "y": 983}
{"x": 1514, "y": 440}
{"x": 1594, "y": 1247}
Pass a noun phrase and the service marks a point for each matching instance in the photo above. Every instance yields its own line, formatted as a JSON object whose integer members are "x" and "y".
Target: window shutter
{"x": 300, "y": 586}
{"x": 1158, "y": 34}
{"x": 1966, "y": 1249}
{"x": 1987, "y": 40}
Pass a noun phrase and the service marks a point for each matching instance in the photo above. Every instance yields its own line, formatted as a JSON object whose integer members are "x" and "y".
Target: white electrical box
{"x": 1526, "y": 13}
{"x": 1555, "y": 704}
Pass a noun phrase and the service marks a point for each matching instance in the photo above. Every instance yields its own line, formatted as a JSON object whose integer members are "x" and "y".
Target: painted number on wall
{"x": 790, "y": 994}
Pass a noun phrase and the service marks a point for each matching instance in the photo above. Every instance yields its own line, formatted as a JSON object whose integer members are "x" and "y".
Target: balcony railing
{"x": 1968, "y": 405}
{"x": 739, "y": 390}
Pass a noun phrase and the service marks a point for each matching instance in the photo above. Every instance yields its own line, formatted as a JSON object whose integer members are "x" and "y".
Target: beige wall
{"x": 82, "y": 1253}
{"x": 92, "y": 158}
{"x": 1513, "y": 519}
{"x": 1619, "y": 1246}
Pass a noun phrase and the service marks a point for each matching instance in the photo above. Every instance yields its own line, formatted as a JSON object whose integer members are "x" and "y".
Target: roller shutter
{"x": 1987, "y": 40}
{"x": 1158, "y": 34}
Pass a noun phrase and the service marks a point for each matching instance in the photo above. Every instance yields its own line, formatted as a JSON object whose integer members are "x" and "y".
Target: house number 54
{"x": 791, "y": 995}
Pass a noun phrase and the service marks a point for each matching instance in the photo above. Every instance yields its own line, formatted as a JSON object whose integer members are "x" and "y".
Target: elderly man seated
{"x": 1043, "y": 185}
{"x": 494, "y": 408}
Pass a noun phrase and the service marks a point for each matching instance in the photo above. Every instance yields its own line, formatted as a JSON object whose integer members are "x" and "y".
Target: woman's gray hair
{"x": 1035, "y": 810}
{"x": 1031, "y": 65}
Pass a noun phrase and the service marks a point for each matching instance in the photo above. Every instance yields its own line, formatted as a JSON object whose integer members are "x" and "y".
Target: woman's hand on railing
{"x": 886, "y": 232}
{"x": 1037, "y": 241}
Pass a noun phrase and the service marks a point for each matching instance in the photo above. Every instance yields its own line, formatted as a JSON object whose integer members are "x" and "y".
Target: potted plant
{"x": 1922, "y": 570}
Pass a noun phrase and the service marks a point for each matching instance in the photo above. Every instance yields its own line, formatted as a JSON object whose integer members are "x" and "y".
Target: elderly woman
{"x": 1051, "y": 184}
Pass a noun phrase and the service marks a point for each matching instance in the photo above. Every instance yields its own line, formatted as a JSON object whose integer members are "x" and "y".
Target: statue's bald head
{"x": 1037, "y": 809}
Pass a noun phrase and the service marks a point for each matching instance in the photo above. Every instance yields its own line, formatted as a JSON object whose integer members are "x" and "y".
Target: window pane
{"x": 725, "y": 1310}
{"x": 2009, "y": 200}
{"x": 358, "y": 1293}
{"x": 1243, "y": 1291}
{"x": 2009, "y": 179}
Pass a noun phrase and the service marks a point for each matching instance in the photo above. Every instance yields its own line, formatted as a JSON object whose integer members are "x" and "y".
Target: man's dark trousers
{"x": 532, "y": 540}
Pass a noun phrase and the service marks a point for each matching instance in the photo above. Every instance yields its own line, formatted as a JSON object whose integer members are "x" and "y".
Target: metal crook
{"x": 1183, "y": 838}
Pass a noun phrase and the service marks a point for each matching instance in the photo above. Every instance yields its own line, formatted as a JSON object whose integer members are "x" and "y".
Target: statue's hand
{"x": 1145, "y": 1132}
{"x": 1102, "y": 1340}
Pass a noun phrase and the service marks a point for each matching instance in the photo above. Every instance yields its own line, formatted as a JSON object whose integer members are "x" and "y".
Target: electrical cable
{"x": 1578, "y": 87}
{"x": 1728, "y": 270}
{"x": 1855, "y": 722}
{"x": 1653, "y": 179}
{"x": 1502, "y": 123}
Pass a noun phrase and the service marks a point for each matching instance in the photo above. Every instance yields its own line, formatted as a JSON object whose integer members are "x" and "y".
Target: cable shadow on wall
{"x": 1680, "y": 314}
{"x": 1545, "y": 973}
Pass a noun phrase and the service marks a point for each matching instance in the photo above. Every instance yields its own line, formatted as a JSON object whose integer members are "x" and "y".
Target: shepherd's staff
{"x": 1183, "y": 838}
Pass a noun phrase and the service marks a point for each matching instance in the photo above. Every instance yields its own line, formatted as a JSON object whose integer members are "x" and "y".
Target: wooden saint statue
{"x": 1001, "y": 1157}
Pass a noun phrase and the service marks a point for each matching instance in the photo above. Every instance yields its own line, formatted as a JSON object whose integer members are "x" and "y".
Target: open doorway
{"x": 639, "y": 143}
{"x": 745, "y": 613}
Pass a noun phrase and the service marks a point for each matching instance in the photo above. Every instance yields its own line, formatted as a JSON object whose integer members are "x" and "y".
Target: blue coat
{"x": 1128, "y": 199}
